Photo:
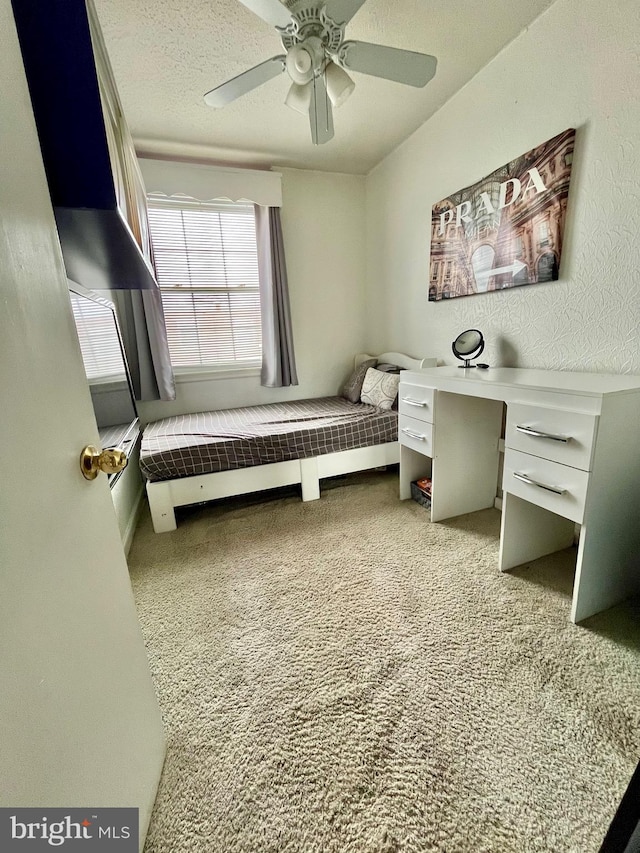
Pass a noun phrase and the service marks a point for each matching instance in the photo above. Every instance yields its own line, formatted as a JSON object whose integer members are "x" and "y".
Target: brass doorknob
{"x": 92, "y": 461}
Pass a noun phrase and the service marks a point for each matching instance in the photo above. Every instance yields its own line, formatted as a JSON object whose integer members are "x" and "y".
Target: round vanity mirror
{"x": 468, "y": 345}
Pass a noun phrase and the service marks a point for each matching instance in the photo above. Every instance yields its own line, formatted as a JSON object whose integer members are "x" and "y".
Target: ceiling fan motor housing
{"x": 311, "y": 21}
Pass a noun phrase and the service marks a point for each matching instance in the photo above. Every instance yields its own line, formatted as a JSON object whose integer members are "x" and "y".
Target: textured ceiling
{"x": 167, "y": 53}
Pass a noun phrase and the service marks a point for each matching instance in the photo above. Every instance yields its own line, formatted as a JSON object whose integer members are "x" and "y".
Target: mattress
{"x": 202, "y": 443}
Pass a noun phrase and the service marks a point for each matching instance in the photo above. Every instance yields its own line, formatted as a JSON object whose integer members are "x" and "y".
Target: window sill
{"x": 207, "y": 374}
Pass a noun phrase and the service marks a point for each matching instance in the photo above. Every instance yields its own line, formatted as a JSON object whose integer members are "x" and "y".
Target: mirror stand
{"x": 468, "y": 345}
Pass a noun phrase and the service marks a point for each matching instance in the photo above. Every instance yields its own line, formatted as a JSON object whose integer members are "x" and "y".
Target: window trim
{"x": 205, "y": 373}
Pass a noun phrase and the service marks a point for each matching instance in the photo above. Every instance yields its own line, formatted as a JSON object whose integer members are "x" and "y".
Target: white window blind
{"x": 99, "y": 341}
{"x": 207, "y": 268}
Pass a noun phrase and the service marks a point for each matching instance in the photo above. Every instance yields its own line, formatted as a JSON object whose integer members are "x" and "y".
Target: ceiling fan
{"x": 312, "y": 33}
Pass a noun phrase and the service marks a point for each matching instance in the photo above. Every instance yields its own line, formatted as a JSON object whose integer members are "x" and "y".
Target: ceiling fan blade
{"x": 320, "y": 113}
{"x": 271, "y": 11}
{"x": 341, "y": 11}
{"x": 245, "y": 82}
{"x": 392, "y": 63}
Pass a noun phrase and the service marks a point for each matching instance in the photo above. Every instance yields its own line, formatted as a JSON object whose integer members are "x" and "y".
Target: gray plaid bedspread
{"x": 187, "y": 445}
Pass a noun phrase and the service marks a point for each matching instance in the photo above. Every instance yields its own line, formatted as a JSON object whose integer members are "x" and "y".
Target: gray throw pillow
{"x": 353, "y": 386}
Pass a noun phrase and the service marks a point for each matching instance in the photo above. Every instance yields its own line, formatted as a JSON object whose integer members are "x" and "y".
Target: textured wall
{"x": 577, "y": 66}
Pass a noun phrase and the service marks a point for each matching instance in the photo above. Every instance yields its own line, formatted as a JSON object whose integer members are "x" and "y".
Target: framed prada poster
{"x": 506, "y": 230}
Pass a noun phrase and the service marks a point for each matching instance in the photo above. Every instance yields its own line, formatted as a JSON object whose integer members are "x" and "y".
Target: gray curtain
{"x": 144, "y": 336}
{"x": 278, "y": 358}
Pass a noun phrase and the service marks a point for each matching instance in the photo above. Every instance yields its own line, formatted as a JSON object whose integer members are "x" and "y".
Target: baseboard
{"x": 133, "y": 522}
{"x": 498, "y": 504}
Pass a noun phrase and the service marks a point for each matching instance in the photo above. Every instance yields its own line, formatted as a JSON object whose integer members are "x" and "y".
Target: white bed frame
{"x": 166, "y": 495}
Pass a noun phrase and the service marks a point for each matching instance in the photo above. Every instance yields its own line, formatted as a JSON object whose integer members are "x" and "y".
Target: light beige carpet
{"x": 343, "y": 676}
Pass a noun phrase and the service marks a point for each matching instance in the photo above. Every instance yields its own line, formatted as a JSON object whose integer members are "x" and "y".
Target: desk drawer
{"x": 416, "y": 401}
{"x": 415, "y": 434}
{"x": 558, "y": 488}
{"x": 565, "y": 437}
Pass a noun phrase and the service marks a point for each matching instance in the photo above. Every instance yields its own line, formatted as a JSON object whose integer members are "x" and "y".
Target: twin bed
{"x": 209, "y": 455}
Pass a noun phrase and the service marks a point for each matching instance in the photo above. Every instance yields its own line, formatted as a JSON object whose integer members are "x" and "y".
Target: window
{"x": 206, "y": 263}
{"x": 518, "y": 246}
{"x": 99, "y": 341}
{"x": 543, "y": 233}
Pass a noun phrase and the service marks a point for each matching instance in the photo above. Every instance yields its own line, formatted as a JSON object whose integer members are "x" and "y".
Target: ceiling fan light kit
{"x": 299, "y": 98}
{"x": 339, "y": 84}
{"x": 316, "y": 57}
{"x": 303, "y": 59}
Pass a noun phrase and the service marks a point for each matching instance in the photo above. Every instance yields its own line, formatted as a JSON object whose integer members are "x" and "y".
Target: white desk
{"x": 572, "y": 456}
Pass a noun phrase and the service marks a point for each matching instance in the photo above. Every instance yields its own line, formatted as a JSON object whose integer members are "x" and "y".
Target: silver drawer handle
{"x": 413, "y": 434}
{"x": 529, "y": 431}
{"x": 422, "y": 403}
{"x": 525, "y": 479}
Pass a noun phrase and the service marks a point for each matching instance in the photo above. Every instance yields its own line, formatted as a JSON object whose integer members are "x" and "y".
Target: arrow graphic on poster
{"x": 515, "y": 268}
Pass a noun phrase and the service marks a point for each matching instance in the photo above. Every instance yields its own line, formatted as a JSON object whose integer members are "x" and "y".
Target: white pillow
{"x": 379, "y": 389}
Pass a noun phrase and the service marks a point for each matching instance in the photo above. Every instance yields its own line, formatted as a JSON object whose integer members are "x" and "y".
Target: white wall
{"x": 576, "y": 66}
{"x": 126, "y": 496}
{"x": 324, "y": 238}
